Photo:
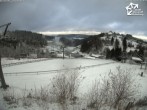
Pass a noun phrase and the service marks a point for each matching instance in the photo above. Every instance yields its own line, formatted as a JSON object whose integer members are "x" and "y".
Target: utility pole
{"x": 63, "y": 51}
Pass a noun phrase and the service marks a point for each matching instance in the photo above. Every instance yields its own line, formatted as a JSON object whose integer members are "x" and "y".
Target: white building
{"x": 32, "y": 56}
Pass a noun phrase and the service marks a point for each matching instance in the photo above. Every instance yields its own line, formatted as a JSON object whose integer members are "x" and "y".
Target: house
{"x": 33, "y": 55}
{"x": 23, "y": 55}
{"x": 76, "y": 54}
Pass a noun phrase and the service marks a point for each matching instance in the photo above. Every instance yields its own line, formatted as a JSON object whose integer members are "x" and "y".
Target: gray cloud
{"x": 62, "y": 15}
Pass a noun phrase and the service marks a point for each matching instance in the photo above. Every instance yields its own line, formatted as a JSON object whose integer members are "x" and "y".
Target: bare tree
{"x": 3, "y": 83}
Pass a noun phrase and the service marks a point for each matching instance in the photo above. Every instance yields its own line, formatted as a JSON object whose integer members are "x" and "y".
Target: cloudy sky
{"x": 73, "y": 15}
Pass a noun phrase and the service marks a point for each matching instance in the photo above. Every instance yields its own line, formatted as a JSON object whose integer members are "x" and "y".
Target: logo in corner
{"x": 133, "y": 9}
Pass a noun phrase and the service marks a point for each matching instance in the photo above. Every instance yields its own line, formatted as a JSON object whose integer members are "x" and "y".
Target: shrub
{"x": 10, "y": 97}
{"x": 122, "y": 88}
{"x": 142, "y": 102}
{"x": 116, "y": 91}
{"x": 95, "y": 97}
{"x": 65, "y": 86}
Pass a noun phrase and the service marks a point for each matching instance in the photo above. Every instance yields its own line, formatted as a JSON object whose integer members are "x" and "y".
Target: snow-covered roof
{"x": 136, "y": 59}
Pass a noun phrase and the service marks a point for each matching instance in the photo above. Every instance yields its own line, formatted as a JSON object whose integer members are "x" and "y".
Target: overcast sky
{"x": 73, "y": 15}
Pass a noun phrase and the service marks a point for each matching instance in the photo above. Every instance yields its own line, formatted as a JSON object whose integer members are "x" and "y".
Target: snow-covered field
{"x": 54, "y": 64}
{"x": 89, "y": 69}
{"x": 7, "y": 61}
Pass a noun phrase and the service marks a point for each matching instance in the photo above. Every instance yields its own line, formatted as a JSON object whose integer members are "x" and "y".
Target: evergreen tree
{"x": 112, "y": 41}
{"x": 124, "y": 44}
{"x": 118, "y": 54}
{"x": 108, "y": 53}
{"x": 141, "y": 52}
{"x": 92, "y": 43}
{"x": 112, "y": 53}
{"x": 117, "y": 50}
{"x": 85, "y": 46}
{"x": 98, "y": 44}
{"x": 116, "y": 45}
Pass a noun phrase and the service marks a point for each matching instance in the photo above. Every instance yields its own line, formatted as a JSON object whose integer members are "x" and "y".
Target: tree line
{"x": 28, "y": 37}
{"x": 17, "y": 42}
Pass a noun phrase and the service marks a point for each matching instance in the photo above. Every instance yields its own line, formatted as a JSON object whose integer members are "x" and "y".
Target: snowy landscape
{"x": 76, "y": 72}
{"x": 73, "y": 55}
{"x": 70, "y": 79}
{"x": 30, "y": 82}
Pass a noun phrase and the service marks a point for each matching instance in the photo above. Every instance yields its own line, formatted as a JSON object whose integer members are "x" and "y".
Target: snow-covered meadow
{"x": 40, "y": 74}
